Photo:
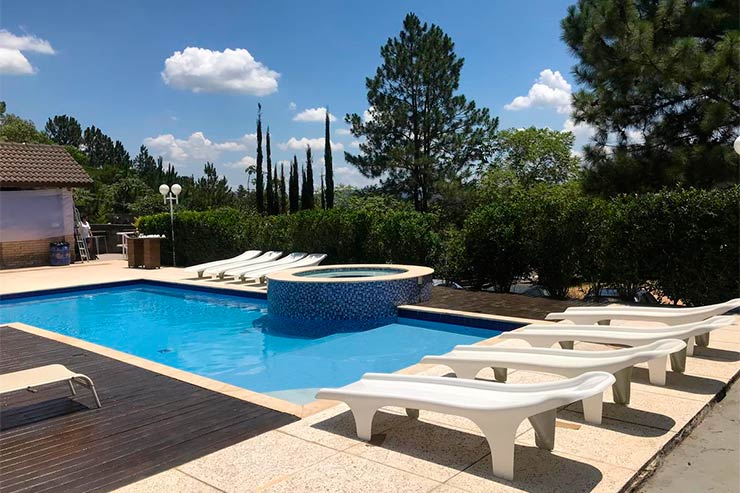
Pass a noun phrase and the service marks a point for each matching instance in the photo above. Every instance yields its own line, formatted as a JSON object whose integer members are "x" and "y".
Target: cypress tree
{"x": 323, "y": 194}
{"x": 275, "y": 192}
{"x": 304, "y": 189}
{"x": 329, "y": 166}
{"x": 283, "y": 195}
{"x": 268, "y": 189}
{"x": 293, "y": 186}
{"x": 309, "y": 179}
{"x": 260, "y": 183}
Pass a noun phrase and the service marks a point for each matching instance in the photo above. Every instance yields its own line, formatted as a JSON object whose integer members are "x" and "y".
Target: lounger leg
{"x": 678, "y": 360}
{"x": 621, "y": 388}
{"x": 465, "y": 371}
{"x": 500, "y": 437}
{"x": 702, "y": 340}
{"x": 566, "y": 344}
{"x": 499, "y": 374}
{"x": 544, "y": 429}
{"x": 604, "y": 322}
{"x": 656, "y": 369}
{"x": 364, "y": 421}
{"x": 690, "y": 346}
{"x": 72, "y": 387}
{"x": 593, "y": 408}
{"x": 412, "y": 413}
{"x": 86, "y": 382}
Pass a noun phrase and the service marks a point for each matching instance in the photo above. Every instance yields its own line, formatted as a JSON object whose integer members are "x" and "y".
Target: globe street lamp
{"x": 736, "y": 145}
{"x": 171, "y": 195}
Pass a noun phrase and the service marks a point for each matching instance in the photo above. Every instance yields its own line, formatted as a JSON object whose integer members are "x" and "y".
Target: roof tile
{"x": 39, "y": 165}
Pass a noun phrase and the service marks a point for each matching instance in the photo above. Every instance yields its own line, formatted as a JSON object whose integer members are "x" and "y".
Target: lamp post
{"x": 736, "y": 145}
{"x": 171, "y": 195}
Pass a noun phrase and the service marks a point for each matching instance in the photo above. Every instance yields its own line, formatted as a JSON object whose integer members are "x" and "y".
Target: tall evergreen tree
{"x": 329, "y": 168}
{"x": 659, "y": 82}
{"x": 64, "y": 130}
{"x": 270, "y": 202}
{"x": 304, "y": 189}
{"x": 283, "y": 195}
{"x": 293, "y": 192}
{"x": 309, "y": 179}
{"x": 323, "y": 193}
{"x": 275, "y": 191}
{"x": 421, "y": 132}
{"x": 259, "y": 182}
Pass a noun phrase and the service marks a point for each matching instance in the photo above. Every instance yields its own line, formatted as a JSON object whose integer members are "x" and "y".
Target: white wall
{"x": 27, "y": 215}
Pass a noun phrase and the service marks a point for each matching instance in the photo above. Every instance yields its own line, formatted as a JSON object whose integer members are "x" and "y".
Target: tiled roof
{"x": 39, "y": 165}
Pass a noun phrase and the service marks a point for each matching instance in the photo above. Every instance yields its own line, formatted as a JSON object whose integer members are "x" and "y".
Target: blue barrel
{"x": 59, "y": 253}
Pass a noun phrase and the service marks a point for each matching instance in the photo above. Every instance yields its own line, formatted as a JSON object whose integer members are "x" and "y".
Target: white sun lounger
{"x": 546, "y": 335}
{"x": 259, "y": 274}
{"x": 241, "y": 270}
{"x": 664, "y": 315}
{"x": 467, "y": 361}
{"x": 496, "y": 408}
{"x": 45, "y": 375}
{"x": 200, "y": 268}
{"x": 263, "y": 259}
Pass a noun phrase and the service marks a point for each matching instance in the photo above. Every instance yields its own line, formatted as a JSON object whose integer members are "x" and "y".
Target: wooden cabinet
{"x": 144, "y": 253}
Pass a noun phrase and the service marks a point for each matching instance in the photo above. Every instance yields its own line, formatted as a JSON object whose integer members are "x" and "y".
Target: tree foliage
{"x": 660, "y": 80}
{"x": 210, "y": 191}
{"x": 15, "y": 129}
{"x": 329, "y": 165}
{"x": 537, "y": 155}
{"x": 259, "y": 184}
{"x": 64, "y": 130}
{"x": 419, "y": 131}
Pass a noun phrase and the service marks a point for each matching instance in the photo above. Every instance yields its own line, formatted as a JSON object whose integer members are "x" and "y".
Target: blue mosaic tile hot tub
{"x": 365, "y": 296}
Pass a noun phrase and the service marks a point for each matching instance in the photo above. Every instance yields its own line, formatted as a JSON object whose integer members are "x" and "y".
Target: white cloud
{"x": 316, "y": 144}
{"x": 203, "y": 70}
{"x": 12, "y": 60}
{"x": 349, "y": 175}
{"x": 550, "y": 90}
{"x": 313, "y": 115}
{"x": 243, "y": 163}
{"x": 292, "y": 106}
{"x": 343, "y": 131}
{"x": 368, "y": 114}
{"x": 197, "y": 148}
{"x": 355, "y": 144}
{"x": 583, "y": 132}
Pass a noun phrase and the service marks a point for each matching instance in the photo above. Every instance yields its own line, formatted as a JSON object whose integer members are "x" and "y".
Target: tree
{"x": 323, "y": 193}
{"x": 537, "y": 155}
{"x": 283, "y": 195}
{"x": 15, "y": 129}
{"x": 308, "y": 201}
{"x": 659, "y": 84}
{"x": 269, "y": 192}
{"x": 294, "y": 197}
{"x": 418, "y": 131}
{"x": 103, "y": 151}
{"x": 275, "y": 192}
{"x": 329, "y": 168}
{"x": 259, "y": 185}
{"x": 64, "y": 130}
{"x": 210, "y": 191}
{"x": 304, "y": 189}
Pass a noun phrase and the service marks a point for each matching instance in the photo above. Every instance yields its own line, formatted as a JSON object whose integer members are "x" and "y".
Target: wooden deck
{"x": 510, "y": 305}
{"x": 148, "y": 422}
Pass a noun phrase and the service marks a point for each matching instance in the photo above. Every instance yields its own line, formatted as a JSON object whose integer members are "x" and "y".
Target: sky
{"x": 184, "y": 78}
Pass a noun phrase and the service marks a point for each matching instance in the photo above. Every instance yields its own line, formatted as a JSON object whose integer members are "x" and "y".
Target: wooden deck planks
{"x": 51, "y": 441}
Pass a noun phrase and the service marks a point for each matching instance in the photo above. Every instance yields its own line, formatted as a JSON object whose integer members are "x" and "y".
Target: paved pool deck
{"x": 437, "y": 452}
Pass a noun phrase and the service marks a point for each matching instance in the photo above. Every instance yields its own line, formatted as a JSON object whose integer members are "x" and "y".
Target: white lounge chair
{"x": 467, "y": 361}
{"x": 45, "y": 375}
{"x": 200, "y": 268}
{"x": 307, "y": 261}
{"x": 240, "y": 270}
{"x": 496, "y": 408}
{"x": 220, "y": 270}
{"x": 664, "y": 315}
{"x": 546, "y": 335}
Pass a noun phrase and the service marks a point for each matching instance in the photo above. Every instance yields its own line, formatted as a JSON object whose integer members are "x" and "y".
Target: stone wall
{"x": 33, "y": 253}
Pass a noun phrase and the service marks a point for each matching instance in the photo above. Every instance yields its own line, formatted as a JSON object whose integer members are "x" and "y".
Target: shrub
{"x": 403, "y": 237}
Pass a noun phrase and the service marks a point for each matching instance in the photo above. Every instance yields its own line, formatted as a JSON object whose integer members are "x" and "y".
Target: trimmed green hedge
{"x": 683, "y": 243}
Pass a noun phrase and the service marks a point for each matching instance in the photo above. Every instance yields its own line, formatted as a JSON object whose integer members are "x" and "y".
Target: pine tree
{"x": 283, "y": 195}
{"x": 259, "y": 185}
{"x": 268, "y": 189}
{"x": 329, "y": 168}
{"x": 309, "y": 179}
{"x": 293, "y": 186}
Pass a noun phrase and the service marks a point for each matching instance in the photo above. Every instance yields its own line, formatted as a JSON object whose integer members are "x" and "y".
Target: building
{"x": 36, "y": 205}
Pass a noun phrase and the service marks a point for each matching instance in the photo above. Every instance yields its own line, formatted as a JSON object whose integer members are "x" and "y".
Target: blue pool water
{"x": 230, "y": 338}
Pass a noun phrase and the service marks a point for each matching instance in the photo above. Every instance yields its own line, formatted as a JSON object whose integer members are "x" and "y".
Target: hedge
{"x": 682, "y": 244}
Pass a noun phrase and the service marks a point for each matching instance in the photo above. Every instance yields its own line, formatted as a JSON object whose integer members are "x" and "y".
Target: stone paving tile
{"x": 171, "y": 480}
{"x": 346, "y": 473}
{"x": 256, "y": 462}
{"x": 541, "y": 471}
{"x": 425, "y": 449}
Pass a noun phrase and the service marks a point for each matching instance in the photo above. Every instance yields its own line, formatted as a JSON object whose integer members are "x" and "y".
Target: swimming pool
{"x": 231, "y": 338}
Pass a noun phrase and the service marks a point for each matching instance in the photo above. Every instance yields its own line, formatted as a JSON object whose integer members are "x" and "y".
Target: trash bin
{"x": 59, "y": 253}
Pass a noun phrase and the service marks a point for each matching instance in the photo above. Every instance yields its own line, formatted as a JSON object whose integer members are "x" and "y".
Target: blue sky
{"x": 126, "y": 68}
